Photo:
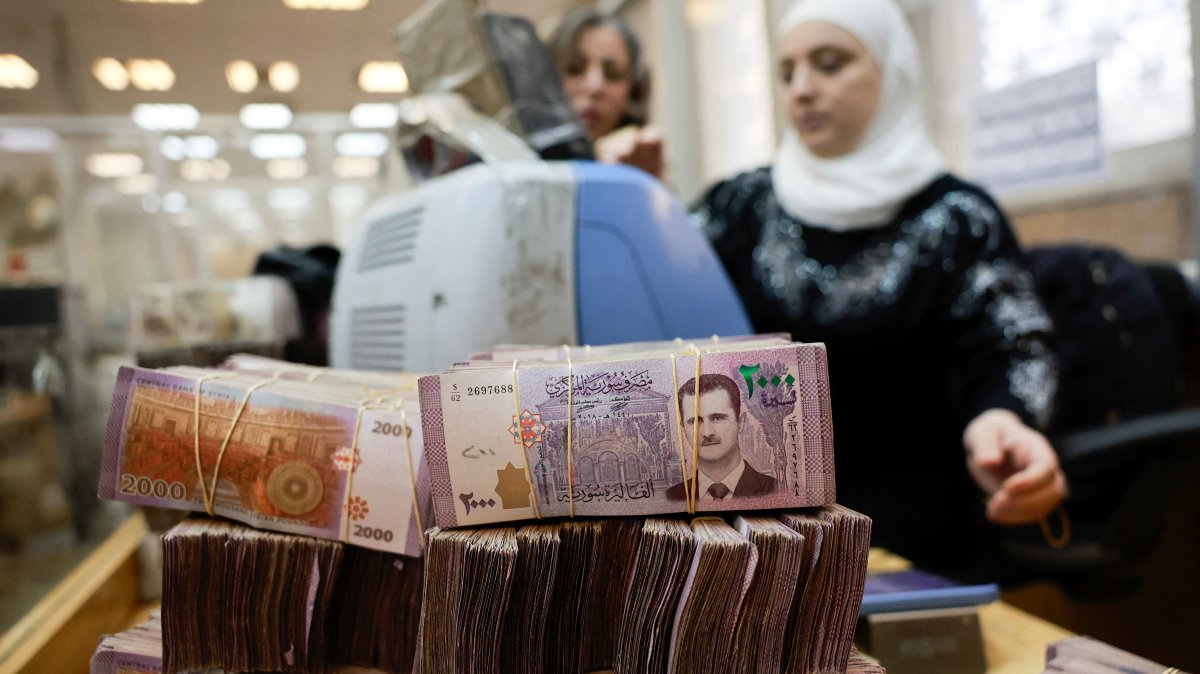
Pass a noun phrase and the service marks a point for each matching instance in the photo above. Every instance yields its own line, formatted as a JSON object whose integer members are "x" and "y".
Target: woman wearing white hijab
{"x": 856, "y": 236}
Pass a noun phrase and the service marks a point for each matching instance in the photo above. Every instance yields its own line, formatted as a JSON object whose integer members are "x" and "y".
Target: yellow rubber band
{"x": 683, "y": 470}
{"x": 209, "y": 494}
{"x": 412, "y": 473}
{"x": 524, "y": 455}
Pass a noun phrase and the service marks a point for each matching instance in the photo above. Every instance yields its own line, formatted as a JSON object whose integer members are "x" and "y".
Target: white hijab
{"x": 895, "y": 158}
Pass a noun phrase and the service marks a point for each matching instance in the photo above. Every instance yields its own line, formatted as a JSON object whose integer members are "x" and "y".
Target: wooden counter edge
{"x": 98, "y": 596}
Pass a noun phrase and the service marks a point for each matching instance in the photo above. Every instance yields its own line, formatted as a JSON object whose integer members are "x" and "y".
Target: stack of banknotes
{"x": 732, "y": 594}
{"x": 246, "y": 600}
{"x": 744, "y": 594}
{"x": 529, "y": 509}
{"x": 1085, "y": 655}
{"x": 520, "y": 433}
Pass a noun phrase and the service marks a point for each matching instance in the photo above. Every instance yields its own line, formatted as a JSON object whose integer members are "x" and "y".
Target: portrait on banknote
{"x": 724, "y": 472}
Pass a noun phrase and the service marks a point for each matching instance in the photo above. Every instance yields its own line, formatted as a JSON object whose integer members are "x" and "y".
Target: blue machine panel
{"x": 644, "y": 272}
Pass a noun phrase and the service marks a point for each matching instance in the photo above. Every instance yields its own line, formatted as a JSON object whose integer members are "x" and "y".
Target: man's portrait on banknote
{"x": 723, "y": 472}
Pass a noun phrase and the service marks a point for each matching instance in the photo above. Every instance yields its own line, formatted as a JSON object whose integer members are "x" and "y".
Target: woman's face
{"x": 598, "y": 79}
{"x": 832, "y": 85}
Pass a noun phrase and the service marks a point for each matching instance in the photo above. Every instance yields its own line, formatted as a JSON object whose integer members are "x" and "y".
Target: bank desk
{"x": 102, "y": 596}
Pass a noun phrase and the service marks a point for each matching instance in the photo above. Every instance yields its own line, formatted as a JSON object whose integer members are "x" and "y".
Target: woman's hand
{"x": 1015, "y": 466}
{"x": 640, "y": 148}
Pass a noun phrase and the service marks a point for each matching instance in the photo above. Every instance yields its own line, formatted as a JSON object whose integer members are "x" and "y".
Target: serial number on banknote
{"x": 489, "y": 390}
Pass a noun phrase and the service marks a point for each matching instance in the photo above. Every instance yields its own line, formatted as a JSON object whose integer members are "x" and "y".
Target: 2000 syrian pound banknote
{"x": 763, "y": 437}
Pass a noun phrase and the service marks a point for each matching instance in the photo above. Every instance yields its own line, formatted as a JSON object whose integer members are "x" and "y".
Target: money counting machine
{"x": 524, "y": 252}
{"x": 504, "y": 239}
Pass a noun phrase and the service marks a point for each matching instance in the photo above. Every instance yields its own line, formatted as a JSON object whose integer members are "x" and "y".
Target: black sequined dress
{"x": 929, "y": 320}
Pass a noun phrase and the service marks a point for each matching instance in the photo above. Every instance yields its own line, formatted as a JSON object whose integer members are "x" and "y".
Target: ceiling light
{"x": 287, "y": 169}
{"x": 16, "y": 73}
{"x": 111, "y": 74}
{"x": 355, "y": 167}
{"x": 278, "y": 146}
{"x": 246, "y": 220}
{"x": 383, "y": 77}
{"x": 174, "y": 202}
{"x": 113, "y": 164}
{"x": 219, "y": 169}
{"x": 362, "y": 144}
{"x": 337, "y": 5}
{"x": 199, "y": 169}
{"x": 151, "y": 74}
{"x": 284, "y": 76}
{"x": 28, "y": 140}
{"x": 348, "y": 197}
{"x": 142, "y": 183}
{"x": 374, "y": 115}
{"x": 165, "y": 117}
{"x": 227, "y": 201}
{"x": 192, "y": 147}
{"x": 201, "y": 147}
{"x": 242, "y": 76}
{"x": 289, "y": 199}
{"x": 194, "y": 170}
{"x": 173, "y": 148}
{"x": 151, "y": 202}
{"x": 265, "y": 116}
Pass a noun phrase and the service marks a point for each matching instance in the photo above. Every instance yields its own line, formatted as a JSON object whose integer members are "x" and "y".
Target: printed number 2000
{"x": 140, "y": 485}
{"x": 384, "y": 535}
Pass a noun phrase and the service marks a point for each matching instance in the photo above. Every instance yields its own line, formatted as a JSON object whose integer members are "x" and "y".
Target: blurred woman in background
{"x": 606, "y": 77}
{"x": 856, "y": 236}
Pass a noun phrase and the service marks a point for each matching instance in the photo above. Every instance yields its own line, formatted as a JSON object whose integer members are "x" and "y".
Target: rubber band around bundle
{"x": 365, "y": 405}
{"x": 690, "y": 485}
{"x": 209, "y": 494}
{"x": 345, "y": 528}
{"x": 412, "y": 473}
{"x": 678, "y": 406}
{"x": 524, "y": 455}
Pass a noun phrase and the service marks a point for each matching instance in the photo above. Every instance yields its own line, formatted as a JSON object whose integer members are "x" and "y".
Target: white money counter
{"x": 525, "y": 252}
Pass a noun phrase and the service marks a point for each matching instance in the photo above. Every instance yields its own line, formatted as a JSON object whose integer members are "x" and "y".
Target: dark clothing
{"x": 929, "y": 320}
{"x": 1117, "y": 350}
{"x": 751, "y": 483}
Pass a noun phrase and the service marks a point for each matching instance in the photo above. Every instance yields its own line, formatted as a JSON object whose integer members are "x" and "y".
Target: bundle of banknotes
{"x": 245, "y": 600}
{"x": 1085, "y": 655}
{"x": 330, "y": 454}
{"x": 749, "y": 594}
{"x": 526, "y": 432}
